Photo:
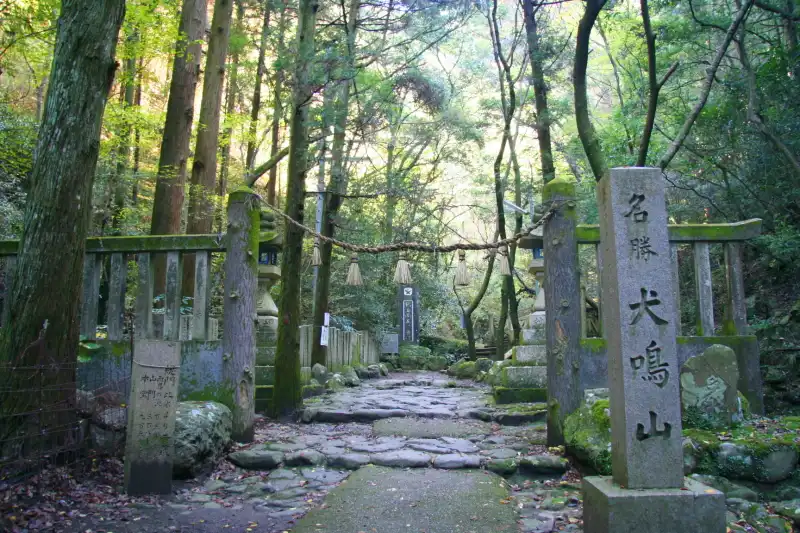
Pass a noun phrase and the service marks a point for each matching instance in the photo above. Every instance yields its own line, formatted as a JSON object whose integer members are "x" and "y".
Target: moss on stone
{"x": 505, "y": 395}
{"x": 587, "y": 432}
{"x": 214, "y": 393}
{"x": 562, "y": 186}
{"x": 594, "y": 344}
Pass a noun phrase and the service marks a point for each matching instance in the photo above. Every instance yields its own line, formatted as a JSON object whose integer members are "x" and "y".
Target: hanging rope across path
{"x": 415, "y": 246}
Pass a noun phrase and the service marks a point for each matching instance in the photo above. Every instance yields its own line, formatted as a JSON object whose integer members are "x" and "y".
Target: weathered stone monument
{"x": 647, "y": 492}
{"x": 152, "y": 408}
{"x": 408, "y": 300}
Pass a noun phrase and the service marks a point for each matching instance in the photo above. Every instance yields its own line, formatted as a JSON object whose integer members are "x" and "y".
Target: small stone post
{"x": 239, "y": 332}
{"x": 647, "y": 492}
{"x": 562, "y": 293}
{"x": 153, "y": 399}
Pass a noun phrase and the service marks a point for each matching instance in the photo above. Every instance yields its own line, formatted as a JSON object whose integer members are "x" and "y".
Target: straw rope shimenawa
{"x": 415, "y": 246}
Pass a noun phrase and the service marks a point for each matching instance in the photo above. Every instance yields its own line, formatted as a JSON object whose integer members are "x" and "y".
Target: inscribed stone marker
{"x": 640, "y": 327}
{"x": 151, "y": 417}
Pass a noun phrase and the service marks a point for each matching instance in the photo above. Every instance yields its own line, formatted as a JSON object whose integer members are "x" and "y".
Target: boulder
{"x": 373, "y": 372}
{"x": 483, "y": 364}
{"x": 320, "y": 373}
{"x": 493, "y": 375}
{"x": 351, "y": 379}
{"x": 384, "y": 369}
{"x": 709, "y": 397}
{"x": 202, "y": 434}
{"x": 335, "y": 382}
{"x": 361, "y": 371}
{"x": 113, "y": 418}
{"x": 587, "y": 432}
{"x": 464, "y": 369}
{"x": 740, "y": 461}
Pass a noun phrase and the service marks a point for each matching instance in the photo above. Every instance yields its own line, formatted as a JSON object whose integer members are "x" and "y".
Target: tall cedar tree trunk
{"x": 287, "y": 393}
{"x": 168, "y": 199}
{"x": 260, "y": 70}
{"x": 338, "y": 186}
{"x": 45, "y": 294}
{"x": 391, "y": 199}
{"x": 277, "y": 111}
{"x": 230, "y": 107}
{"x": 204, "y": 167}
{"x": 539, "y": 92}
{"x": 137, "y": 136}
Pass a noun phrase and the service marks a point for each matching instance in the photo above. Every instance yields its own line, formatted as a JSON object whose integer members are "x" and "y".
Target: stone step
{"x": 505, "y": 395}
{"x": 531, "y": 354}
{"x": 524, "y": 377}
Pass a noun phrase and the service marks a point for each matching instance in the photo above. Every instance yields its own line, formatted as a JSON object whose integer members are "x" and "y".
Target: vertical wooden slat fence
{"x": 344, "y": 347}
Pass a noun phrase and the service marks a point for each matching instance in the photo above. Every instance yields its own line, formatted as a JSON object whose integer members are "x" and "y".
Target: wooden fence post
{"x": 239, "y": 332}
{"x": 563, "y": 307}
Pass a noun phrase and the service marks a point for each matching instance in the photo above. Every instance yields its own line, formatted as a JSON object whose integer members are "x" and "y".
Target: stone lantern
{"x": 266, "y": 310}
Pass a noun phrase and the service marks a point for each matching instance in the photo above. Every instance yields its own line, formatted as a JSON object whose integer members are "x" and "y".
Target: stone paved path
{"x": 419, "y": 431}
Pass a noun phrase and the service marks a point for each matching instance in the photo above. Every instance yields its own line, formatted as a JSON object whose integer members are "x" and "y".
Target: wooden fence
{"x": 143, "y": 250}
{"x": 345, "y": 348}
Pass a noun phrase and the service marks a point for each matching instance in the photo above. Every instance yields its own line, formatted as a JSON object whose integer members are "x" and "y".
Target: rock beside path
{"x": 202, "y": 434}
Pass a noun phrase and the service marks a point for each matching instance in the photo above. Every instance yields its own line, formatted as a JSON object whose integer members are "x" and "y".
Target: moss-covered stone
{"x": 314, "y": 389}
{"x": 414, "y": 350}
{"x": 464, "y": 369}
{"x": 587, "y": 432}
{"x": 503, "y": 467}
{"x": 484, "y": 364}
{"x": 505, "y": 395}
{"x": 767, "y": 453}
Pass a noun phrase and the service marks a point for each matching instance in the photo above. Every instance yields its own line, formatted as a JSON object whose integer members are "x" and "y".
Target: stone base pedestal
{"x": 607, "y": 508}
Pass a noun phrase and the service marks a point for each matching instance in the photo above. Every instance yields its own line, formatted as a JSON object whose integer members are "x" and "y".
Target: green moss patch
{"x": 505, "y": 395}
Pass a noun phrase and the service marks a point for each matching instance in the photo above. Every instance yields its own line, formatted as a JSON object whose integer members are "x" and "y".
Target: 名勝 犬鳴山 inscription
{"x": 151, "y": 417}
{"x": 640, "y": 326}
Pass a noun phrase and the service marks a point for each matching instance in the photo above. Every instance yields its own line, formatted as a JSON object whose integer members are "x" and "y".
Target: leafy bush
{"x": 451, "y": 348}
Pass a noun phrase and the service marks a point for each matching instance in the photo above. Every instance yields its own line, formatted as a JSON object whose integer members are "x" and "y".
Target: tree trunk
{"x": 476, "y": 301}
{"x": 540, "y": 93}
{"x": 586, "y": 131}
{"x": 241, "y": 283}
{"x": 338, "y": 187}
{"x": 391, "y": 199}
{"x": 230, "y": 108}
{"x": 137, "y": 137}
{"x": 45, "y": 295}
{"x": 204, "y": 167}
{"x": 287, "y": 393}
{"x": 168, "y": 200}
{"x": 277, "y": 112}
{"x": 256, "y": 107}
{"x": 500, "y": 333}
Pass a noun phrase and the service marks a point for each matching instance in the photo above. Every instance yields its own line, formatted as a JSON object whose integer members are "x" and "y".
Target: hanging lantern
{"x": 462, "y": 274}
{"x": 402, "y": 273}
{"x": 354, "y": 273}
{"x": 316, "y": 257}
{"x": 505, "y": 270}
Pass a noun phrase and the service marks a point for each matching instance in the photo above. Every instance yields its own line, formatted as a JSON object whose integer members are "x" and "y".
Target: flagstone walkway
{"x": 426, "y": 453}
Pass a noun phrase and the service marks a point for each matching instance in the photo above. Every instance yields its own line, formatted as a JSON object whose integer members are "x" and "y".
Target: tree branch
{"x": 706, "y": 88}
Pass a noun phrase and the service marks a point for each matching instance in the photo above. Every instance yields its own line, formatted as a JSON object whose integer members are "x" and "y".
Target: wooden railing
{"x": 144, "y": 249}
{"x": 700, "y": 237}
